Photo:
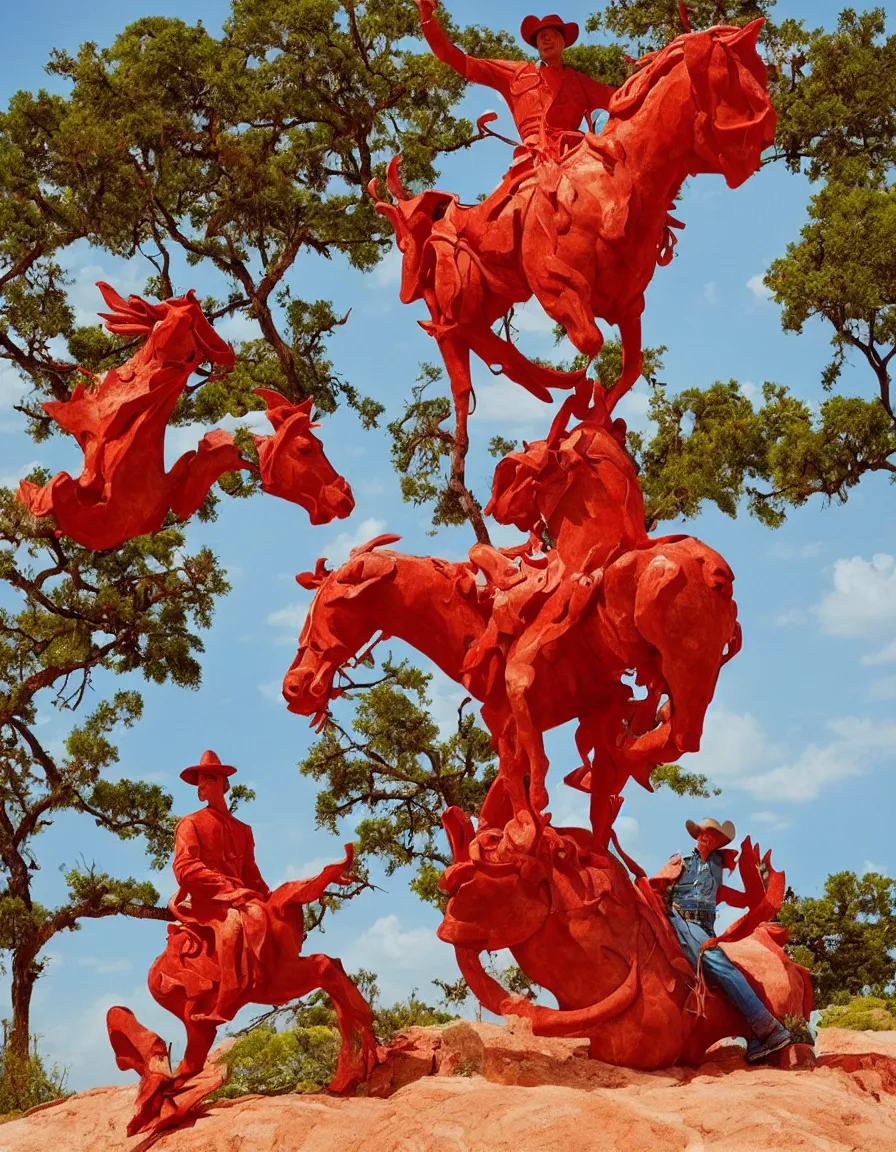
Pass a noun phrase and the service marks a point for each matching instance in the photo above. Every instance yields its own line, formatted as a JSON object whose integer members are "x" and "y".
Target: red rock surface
{"x": 485, "y": 1088}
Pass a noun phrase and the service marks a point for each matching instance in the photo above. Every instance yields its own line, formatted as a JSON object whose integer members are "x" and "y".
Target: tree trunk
{"x": 24, "y": 975}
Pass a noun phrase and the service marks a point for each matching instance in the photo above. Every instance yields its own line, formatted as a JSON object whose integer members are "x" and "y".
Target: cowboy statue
{"x": 547, "y": 101}
{"x": 233, "y": 941}
{"x": 692, "y": 889}
{"x": 220, "y": 885}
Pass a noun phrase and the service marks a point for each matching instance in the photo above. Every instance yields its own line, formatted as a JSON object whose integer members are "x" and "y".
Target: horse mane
{"x": 650, "y": 69}
{"x": 655, "y": 65}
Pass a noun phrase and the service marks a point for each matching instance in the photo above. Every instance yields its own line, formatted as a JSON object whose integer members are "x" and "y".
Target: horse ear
{"x": 314, "y": 579}
{"x": 364, "y": 570}
{"x": 661, "y": 577}
{"x": 746, "y": 39}
{"x": 376, "y": 542}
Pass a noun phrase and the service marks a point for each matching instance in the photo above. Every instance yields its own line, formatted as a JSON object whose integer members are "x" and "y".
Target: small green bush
{"x": 861, "y": 1014}
{"x": 26, "y": 1083}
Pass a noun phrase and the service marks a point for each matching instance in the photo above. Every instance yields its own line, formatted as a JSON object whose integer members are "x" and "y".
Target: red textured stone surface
{"x": 568, "y": 1104}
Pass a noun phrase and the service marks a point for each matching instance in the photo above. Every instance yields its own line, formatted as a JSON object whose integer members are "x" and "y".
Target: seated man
{"x": 691, "y": 899}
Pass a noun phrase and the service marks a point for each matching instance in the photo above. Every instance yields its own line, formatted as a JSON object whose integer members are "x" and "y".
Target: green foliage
{"x": 269, "y": 1063}
{"x": 71, "y": 615}
{"x": 25, "y": 1082}
{"x": 238, "y": 152}
{"x": 846, "y": 938}
{"x": 861, "y": 1014}
{"x": 799, "y": 1029}
{"x": 683, "y": 783}
{"x": 395, "y": 771}
{"x": 271, "y": 1059}
{"x": 650, "y": 24}
{"x": 714, "y": 445}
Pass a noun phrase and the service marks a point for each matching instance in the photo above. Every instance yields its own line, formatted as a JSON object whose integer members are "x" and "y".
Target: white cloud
{"x": 388, "y": 271}
{"x": 856, "y": 747}
{"x": 791, "y": 618}
{"x": 501, "y": 401}
{"x": 711, "y": 292}
{"x": 11, "y": 479}
{"x": 863, "y": 599}
{"x": 781, "y": 550}
{"x": 733, "y": 745}
{"x": 238, "y": 326}
{"x": 882, "y": 690}
{"x": 387, "y": 943}
{"x": 337, "y": 551}
{"x": 885, "y": 655}
{"x": 531, "y": 317}
{"x": 12, "y": 387}
{"x": 772, "y": 819}
{"x": 186, "y": 438}
{"x": 751, "y": 391}
{"x": 272, "y": 691}
{"x": 736, "y": 752}
{"x": 870, "y": 866}
{"x": 310, "y": 868}
{"x": 757, "y": 287}
{"x": 289, "y": 620}
{"x": 104, "y": 966}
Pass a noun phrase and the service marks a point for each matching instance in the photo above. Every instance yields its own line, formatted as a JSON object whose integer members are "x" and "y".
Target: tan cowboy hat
{"x": 727, "y": 829}
{"x": 532, "y": 25}
{"x": 208, "y": 762}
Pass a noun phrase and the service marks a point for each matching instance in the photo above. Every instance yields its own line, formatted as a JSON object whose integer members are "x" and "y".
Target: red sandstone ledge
{"x": 486, "y": 1088}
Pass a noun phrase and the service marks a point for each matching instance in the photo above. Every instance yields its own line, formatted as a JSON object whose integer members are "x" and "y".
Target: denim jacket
{"x": 697, "y": 887}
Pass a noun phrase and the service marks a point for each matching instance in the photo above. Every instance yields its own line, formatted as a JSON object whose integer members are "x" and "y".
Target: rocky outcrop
{"x": 484, "y": 1088}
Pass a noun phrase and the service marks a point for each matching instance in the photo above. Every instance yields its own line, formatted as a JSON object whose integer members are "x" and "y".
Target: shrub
{"x": 861, "y": 1014}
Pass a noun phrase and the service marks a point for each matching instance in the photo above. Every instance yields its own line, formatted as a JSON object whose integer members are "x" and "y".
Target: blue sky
{"x": 801, "y": 736}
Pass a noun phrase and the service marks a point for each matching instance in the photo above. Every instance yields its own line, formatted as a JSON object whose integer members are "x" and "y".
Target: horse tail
{"x": 546, "y": 1021}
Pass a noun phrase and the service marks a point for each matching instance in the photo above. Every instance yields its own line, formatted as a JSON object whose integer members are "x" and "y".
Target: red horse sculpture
{"x": 124, "y": 489}
{"x": 578, "y": 926}
{"x": 665, "y": 610}
{"x": 585, "y": 231}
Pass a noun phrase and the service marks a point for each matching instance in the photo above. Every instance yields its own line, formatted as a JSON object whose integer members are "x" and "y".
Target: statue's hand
{"x": 427, "y": 8}
{"x": 240, "y": 896}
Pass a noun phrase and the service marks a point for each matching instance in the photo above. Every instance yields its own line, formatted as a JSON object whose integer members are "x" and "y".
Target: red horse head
{"x": 177, "y": 330}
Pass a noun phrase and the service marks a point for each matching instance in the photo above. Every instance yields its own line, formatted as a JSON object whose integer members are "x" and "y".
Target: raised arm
{"x": 726, "y": 895}
{"x": 493, "y": 73}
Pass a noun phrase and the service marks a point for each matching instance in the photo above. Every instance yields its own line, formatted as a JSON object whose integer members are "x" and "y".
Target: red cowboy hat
{"x": 208, "y": 762}
{"x": 531, "y": 26}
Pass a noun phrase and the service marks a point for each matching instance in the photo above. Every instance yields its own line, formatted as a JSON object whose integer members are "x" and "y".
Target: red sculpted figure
{"x": 124, "y": 489}
{"x": 233, "y": 942}
{"x": 581, "y": 220}
{"x": 556, "y": 628}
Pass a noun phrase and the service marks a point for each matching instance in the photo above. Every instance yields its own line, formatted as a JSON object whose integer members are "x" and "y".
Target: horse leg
{"x": 535, "y": 378}
{"x": 200, "y": 1038}
{"x": 456, "y": 355}
{"x": 519, "y": 677}
{"x": 632, "y": 358}
{"x": 357, "y": 1055}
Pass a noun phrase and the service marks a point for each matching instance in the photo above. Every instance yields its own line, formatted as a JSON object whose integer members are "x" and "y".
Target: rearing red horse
{"x": 584, "y": 227}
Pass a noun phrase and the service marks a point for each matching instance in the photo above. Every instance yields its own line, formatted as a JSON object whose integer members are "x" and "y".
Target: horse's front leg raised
{"x": 456, "y": 355}
{"x": 357, "y": 1055}
{"x": 519, "y": 678}
{"x": 632, "y": 357}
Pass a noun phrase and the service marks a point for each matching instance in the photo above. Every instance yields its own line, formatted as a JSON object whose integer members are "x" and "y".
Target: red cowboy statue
{"x": 233, "y": 942}
{"x": 548, "y": 101}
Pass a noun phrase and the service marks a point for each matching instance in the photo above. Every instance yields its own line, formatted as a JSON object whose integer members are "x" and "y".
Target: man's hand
{"x": 427, "y": 8}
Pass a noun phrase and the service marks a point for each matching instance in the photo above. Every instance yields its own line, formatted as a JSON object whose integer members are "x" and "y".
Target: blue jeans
{"x": 723, "y": 973}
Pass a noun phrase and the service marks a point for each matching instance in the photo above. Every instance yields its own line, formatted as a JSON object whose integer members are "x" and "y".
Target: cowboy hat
{"x": 531, "y": 26}
{"x": 727, "y": 829}
{"x": 208, "y": 762}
